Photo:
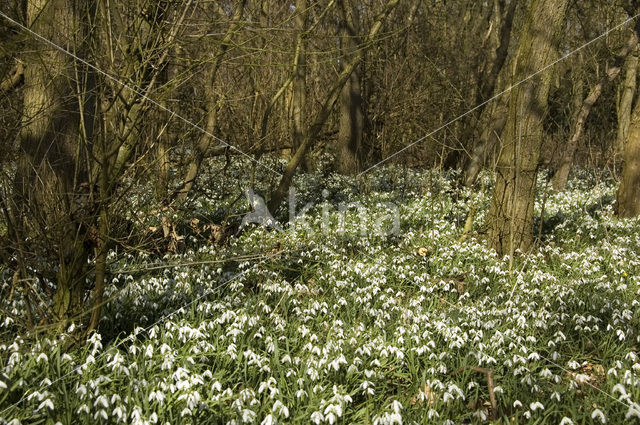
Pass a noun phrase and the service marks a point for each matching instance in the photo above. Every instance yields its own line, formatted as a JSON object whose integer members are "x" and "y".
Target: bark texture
{"x": 625, "y": 105}
{"x": 494, "y": 76}
{"x": 50, "y": 170}
{"x": 628, "y": 197}
{"x": 511, "y": 213}
{"x": 299, "y": 89}
{"x": 351, "y": 116}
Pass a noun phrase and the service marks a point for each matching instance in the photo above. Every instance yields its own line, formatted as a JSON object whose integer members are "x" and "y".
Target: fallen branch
{"x": 493, "y": 414}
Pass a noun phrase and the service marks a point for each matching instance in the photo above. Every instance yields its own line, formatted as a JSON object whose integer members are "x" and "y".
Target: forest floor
{"x": 372, "y": 308}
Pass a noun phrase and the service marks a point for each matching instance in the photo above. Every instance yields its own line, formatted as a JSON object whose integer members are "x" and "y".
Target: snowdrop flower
{"x": 566, "y": 421}
{"x": 269, "y": 420}
{"x": 581, "y": 378}
{"x": 455, "y": 389}
{"x": 332, "y": 412}
{"x": 634, "y": 411}
{"x": 101, "y": 401}
{"x": 535, "y": 406}
{"x": 47, "y": 403}
{"x": 388, "y": 419}
{"x": 317, "y": 417}
{"x": 598, "y": 414}
{"x": 118, "y": 413}
{"x": 573, "y": 365}
{"x": 367, "y": 387}
{"x": 481, "y": 415}
{"x": 102, "y": 414}
{"x": 248, "y": 416}
{"x": 280, "y": 409}
{"x": 619, "y": 388}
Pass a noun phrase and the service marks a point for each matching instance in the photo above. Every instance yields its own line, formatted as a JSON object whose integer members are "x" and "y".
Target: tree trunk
{"x": 562, "y": 173}
{"x": 164, "y": 165}
{"x": 502, "y": 19}
{"x": 299, "y": 95}
{"x": 101, "y": 250}
{"x": 492, "y": 116}
{"x": 628, "y": 197}
{"x": 510, "y": 216}
{"x": 493, "y": 120}
{"x": 351, "y": 117}
{"x": 314, "y": 130}
{"x": 625, "y": 106}
{"x": 298, "y": 75}
{"x": 204, "y": 142}
{"x": 132, "y": 105}
{"x": 50, "y": 167}
{"x": 162, "y": 135}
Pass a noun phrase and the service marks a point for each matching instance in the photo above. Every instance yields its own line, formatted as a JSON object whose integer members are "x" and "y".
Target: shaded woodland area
{"x": 102, "y": 98}
{"x": 319, "y": 211}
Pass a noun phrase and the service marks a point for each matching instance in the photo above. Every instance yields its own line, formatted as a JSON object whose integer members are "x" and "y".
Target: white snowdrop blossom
{"x": 48, "y": 404}
{"x": 317, "y": 417}
{"x": 536, "y": 406}
{"x": 280, "y": 409}
{"x": 633, "y": 411}
{"x": 597, "y": 414}
{"x": 269, "y": 420}
{"x": 340, "y": 317}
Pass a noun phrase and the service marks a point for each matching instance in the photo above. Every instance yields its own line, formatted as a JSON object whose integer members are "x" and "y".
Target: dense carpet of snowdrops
{"x": 328, "y": 322}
